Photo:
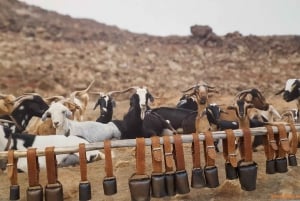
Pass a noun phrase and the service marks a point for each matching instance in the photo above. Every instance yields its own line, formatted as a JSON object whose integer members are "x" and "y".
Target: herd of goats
{"x": 60, "y": 120}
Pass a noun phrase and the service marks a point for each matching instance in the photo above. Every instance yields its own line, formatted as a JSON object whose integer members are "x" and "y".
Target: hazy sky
{"x": 175, "y": 17}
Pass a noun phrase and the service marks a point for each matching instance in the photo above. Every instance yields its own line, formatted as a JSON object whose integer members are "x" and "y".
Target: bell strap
{"x": 283, "y": 142}
{"x": 229, "y": 152}
{"x": 209, "y": 149}
{"x": 168, "y": 154}
{"x": 179, "y": 154}
{"x": 140, "y": 156}
{"x": 270, "y": 145}
{"x": 12, "y": 169}
{"x": 246, "y": 145}
{"x": 156, "y": 154}
{"x": 196, "y": 151}
{"x": 108, "y": 159}
{"x": 33, "y": 167}
{"x": 82, "y": 162}
{"x": 294, "y": 141}
{"x": 51, "y": 165}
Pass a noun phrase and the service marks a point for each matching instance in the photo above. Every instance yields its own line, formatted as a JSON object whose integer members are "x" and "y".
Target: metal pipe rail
{"x": 186, "y": 138}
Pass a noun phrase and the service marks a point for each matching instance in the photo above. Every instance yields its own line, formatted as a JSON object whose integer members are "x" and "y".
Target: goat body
{"x": 89, "y": 130}
{"x": 24, "y": 141}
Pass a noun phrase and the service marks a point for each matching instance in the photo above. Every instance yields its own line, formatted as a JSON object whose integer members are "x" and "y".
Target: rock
{"x": 201, "y": 31}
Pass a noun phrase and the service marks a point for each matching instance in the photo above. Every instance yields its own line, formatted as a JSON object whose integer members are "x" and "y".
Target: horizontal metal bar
{"x": 186, "y": 138}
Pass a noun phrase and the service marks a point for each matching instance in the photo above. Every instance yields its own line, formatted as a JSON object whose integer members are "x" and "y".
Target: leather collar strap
{"x": 12, "y": 169}
{"x": 108, "y": 159}
{"x": 283, "y": 141}
{"x": 33, "y": 167}
{"x": 294, "y": 141}
{"x": 168, "y": 154}
{"x": 51, "y": 165}
{"x": 156, "y": 154}
{"x": 209, "y": 149}
{"x": 196, "y": 151}
{"x": 140, "y": 156}
{"x": 246, "y": 145}
{"x": 82, "y": 162}
{"x": 229, "y": 148}
{"x": 270, "y": 144}
{"x": 179, "y": 155}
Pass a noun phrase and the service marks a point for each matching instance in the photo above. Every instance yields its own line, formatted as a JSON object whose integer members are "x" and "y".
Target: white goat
{"x": 89, "y": 130}
{"x": 24, "y": 141}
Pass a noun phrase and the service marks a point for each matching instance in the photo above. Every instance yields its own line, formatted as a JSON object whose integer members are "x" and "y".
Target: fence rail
{"x": 186, "y": 138}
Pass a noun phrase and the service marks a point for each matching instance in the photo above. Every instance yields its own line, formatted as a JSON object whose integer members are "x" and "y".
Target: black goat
{"x": 291, "y": 91}
{"x": 187, "y": 102}
{"x": 25, "y": 108}
{"x": 106, "y": 104}
{"x": 177, "y": 117}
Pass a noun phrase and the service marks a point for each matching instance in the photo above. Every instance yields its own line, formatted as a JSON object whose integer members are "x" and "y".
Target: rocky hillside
{"x": 49, "y": 53}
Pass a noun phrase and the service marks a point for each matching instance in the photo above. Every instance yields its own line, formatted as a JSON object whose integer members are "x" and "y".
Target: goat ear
{"x": 45, "y": 115}
{"x": 151, "y": 98}
{"x": 68, "y": 114}
{"x": 222, "y": 111}
{"x": 231, "y": 108}
{"x": 113, "y": 103}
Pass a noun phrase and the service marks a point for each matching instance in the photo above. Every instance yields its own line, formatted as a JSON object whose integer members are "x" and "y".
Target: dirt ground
{"x": 279, "y": 186}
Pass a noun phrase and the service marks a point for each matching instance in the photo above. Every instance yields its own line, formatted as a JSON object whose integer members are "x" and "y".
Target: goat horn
{"x": 20, "y": 99}
{"x": 3, "y": 95}
{"x": 189, "y": 89}
{"x": 53, "y": 98}
{"x": 242, "y": 93}
{"x": 80, "y": 92}
{"x": 6, "y": 121}
{"x": 279, "y": 92}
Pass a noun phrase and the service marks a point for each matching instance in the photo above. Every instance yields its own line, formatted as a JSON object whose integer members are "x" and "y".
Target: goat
{"x": 6, "y": 103}
{"x": 132, "y": 124}
{"x": 80, "y": 99}
{"x": 152, "y": 124}
{"x": 106, "y": 103}
{"x": 23, "y": 141}
{"x": 187, "y": 102}
{"x": 76, "y": 103}
{"x": 201, "y": 91}
{"x": 291, "y": 91}
{"x": 25, "y": 107}
{"x": 89, "y": 130}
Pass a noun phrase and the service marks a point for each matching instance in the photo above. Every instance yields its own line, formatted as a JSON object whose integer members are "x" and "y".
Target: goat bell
{"x": 158, "y": 185}
{"x": 292, "y": 160}
{"x": 110, "y": 185}
{"x": 270, "y": 167}
{"x": 85, "y": 192}
{"x": 34, "y": 193}
{"x": 14, "y": 192}
{"x": 247, "y": 176}
{"x": 54, "y": 192}
{"x": 211, "y": 175}
{"x": 170, "y": 183}
{"x": 281, "y": 165}
{"x": 231, "y": 172}
{"x": 198, "y": 179}
{"x": 182, "y": 182}
{"x": 139, "y": 186}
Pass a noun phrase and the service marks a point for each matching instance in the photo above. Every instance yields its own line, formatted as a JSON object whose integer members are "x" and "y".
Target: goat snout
{"x": 55, "y": 124}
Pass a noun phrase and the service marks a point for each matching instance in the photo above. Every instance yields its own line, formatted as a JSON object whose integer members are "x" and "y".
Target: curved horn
{"x": 3, "y": 95}
{"x": 6, "y": 121}
{"x": 80, "y": 92}
{"x": 51, "y": 99}
{"x": 20, "y": 99}
{"x": 279, "y": 92}
{"x": 189, "y": 89}
{"x": 247, "y": 91}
